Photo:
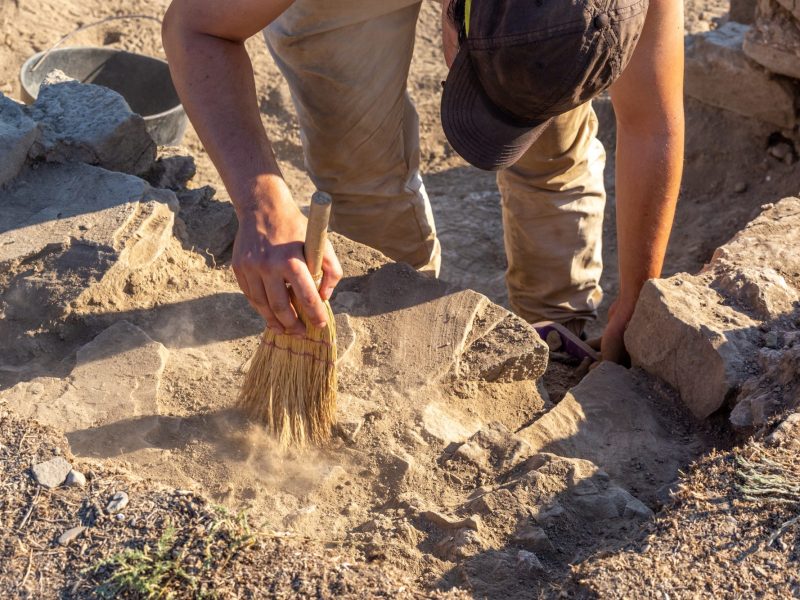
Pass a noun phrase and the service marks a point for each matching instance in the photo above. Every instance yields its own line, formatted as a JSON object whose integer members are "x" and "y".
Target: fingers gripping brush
{"x": 291, "y": 384}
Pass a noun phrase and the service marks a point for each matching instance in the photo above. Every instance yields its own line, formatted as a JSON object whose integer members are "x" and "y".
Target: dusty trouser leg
{"x": 553, "y": 201}
{"x": 346, "y": 63}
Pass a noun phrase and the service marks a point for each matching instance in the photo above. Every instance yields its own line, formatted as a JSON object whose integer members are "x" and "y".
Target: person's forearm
{"x": 648, "y": 176}
{"x": 214, "y": 79}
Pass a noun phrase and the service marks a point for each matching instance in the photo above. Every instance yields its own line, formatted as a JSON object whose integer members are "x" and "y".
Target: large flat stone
{"x": 74, "y": 233}
{"x": 611, "y": 419}
{"x": 719, "y": 73}
{"x": 17, "y": 134}
{"x": 115, "y": 381}
{"x": 91, "y": 124}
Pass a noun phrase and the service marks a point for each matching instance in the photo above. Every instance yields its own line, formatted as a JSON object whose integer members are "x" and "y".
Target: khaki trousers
{"x": 347, "y": 64}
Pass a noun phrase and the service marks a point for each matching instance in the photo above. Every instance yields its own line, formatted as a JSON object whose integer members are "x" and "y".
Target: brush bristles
{"x": 291, "y": 384}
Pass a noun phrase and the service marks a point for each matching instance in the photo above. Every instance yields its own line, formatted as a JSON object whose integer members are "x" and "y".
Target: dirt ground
{"x": 430, "y": 485}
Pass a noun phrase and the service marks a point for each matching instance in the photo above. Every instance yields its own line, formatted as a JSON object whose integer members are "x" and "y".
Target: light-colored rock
{"x": 774, "y": 39}
{"x": 70, "y": 534}
{"x": 719, "y": 73}
{"x": 76, "y": 479}
{"x": 472, "y": 522}
{"x": 786, "y": 433}
{"x": 90, "y": 124}
{"x": 680, "y": 323}
{"x": 74, "y": 234}
{"x": 109, "y": 401}
{"x": 528, "y": 563}
{"x": 443, "y": 426}
{"x": 117, "y": 503}
{"x": 712, "y": 319}
{"x": 52, "y": 473}
{"x": 18, "y": 132}
{"x": 610, "y": 418}
{"x": 534, "y": 539}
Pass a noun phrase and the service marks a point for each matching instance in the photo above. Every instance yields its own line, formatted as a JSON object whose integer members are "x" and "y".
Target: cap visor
{"x": 475, "y": 128}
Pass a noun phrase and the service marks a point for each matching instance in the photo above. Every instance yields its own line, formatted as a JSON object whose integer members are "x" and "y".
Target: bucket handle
{"x": 87, "y": 26}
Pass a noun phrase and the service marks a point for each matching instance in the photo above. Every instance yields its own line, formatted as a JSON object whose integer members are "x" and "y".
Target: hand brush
{"x": 290, "y": 386}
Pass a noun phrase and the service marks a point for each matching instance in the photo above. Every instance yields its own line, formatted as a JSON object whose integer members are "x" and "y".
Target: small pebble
{"x": 740, "y": 187}
{"x": 118, "y": 502}
{"x": 771, "y": 339}
{"x": 75, "y": 478}
{"x": 119, "y": 517}
{"x": 70, "y": 534}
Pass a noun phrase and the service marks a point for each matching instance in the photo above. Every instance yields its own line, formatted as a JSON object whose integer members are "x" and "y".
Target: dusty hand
{"x": 268, "y": 254}
{"x": 612, "y": 344}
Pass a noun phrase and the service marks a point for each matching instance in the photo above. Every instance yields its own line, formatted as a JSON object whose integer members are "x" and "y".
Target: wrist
{"x": 263, "y": 199}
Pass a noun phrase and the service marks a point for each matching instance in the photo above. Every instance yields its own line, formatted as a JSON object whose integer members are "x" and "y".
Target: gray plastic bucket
{"x": 143, "y": 81}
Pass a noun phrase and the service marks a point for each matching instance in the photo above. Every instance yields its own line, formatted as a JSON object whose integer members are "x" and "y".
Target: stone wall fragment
{"x": 720, "y": 74}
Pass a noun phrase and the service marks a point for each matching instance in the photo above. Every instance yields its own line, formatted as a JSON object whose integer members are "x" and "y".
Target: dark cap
{"x": 526, "y": 61}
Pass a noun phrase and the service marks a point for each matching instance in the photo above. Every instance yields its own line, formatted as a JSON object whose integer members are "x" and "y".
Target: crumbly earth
{"x": 443, "y": 474}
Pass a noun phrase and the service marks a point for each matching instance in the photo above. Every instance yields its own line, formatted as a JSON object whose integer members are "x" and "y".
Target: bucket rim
{"x": 26, "y": 66}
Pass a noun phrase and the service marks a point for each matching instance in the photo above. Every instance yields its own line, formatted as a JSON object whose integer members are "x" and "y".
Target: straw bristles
{"x": 291, "y": 384}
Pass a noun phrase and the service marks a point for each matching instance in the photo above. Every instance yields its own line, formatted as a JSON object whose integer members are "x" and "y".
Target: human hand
{"x": 268, "y": 254}
{"x": 612, "y": 344}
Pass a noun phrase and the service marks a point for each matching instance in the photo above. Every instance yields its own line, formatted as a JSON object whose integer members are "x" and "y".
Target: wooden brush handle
{"x": 317, "y": 233}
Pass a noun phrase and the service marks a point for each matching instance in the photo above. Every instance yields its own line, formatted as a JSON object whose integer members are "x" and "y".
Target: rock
{"x": 351, "y": 413}
{"x": 534, "y": 539}
{"x": 680, "y": 323}
{"x": 774, "y": 39}
{"x": 18, "y": 132}
{"x": 743, "y": 11}
{"x": 444, "y": 427}
{"x": 211, "y": 225}
{"x": 76, "y": 478}
{"x": 740, "y": 187}
{"x": 713, "y": 318}
{"x": 110, "y": 403}
{"x": 610, "y": 418}
{"x": 473, "y": 522}
{"x": 90, "y": 124}
{"x": 399, "y": 465}
{"x": 568, "y": 488}
{"x": 510, "y": 351}
{"x": 719, "y": 73}
{"x": 462, "y": 544}
{"x": 786, "y": 433}
{"x": 528, "y": 563}
{"x": 74, "y": 234}
{"x": 172, "y": 170}
{"x": 70, "y": 534}
{"x": 504, "y": 449}
{"x": 302, "y": 519}
{"x": 52, "y": 473}
{"x": 792, "y": 6}
{"x": 636, "y": 509}
{"x": 118, "y": 502}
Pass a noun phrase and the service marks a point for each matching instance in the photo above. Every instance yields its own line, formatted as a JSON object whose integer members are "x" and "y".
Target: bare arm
{"x": 204, "y": 41}
{"x": 648, "y": 102}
